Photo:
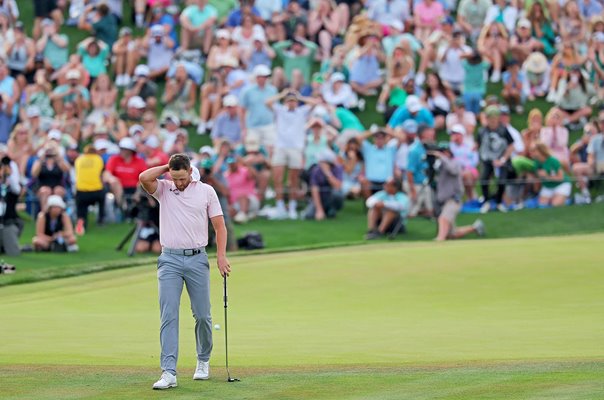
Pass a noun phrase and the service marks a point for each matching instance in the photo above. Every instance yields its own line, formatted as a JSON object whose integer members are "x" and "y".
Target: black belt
{"x": 183, "y": 252}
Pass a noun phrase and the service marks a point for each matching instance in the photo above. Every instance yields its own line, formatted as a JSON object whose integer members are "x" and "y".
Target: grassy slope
{"x": 535, "y": 304}
{"x": 97, "y": 247}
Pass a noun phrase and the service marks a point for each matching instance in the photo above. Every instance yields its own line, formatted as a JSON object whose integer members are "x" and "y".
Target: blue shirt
{"x": 593, "y": 8}
{"x": 423, "y": 116}
{"x": 379, "y": 163}
{"x": 235, "y": 17}
{"x": 416, "y": 162}
{"x": 253, "y": 100}
{"x": 398, "y": 201}
{"x": 226, "y": 127}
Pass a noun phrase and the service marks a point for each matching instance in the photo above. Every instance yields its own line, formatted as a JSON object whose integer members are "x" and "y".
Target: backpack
{"x": 251, "y": 241}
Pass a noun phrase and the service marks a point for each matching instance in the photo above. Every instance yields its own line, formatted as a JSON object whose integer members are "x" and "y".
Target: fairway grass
{"x": 509, "y": 318}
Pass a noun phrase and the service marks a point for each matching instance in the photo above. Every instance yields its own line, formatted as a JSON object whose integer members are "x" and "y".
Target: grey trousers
{"x": 194, "y": 271}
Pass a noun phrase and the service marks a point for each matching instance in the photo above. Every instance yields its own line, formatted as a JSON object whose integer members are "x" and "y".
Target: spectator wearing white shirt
{"x": 338, "y": 93}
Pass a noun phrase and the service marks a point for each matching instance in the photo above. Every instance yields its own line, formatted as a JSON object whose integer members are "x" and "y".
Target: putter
{"x": 226, "y": 334}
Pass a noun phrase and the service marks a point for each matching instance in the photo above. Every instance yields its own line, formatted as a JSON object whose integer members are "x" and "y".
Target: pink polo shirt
{"x": 183, "y": 216}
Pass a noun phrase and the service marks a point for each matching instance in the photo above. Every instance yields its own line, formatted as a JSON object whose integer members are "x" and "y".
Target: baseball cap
{"x": 492, "y": 111}
{"x": 458, "y": 128}
{"x": 135, "y": 129}
{"x": 261, "y": 70}
{"x": 207, "y": 150}
{"x": 55, "y": 201}
{"x": 504, "y": 109}
{"x": 128, "y": 143}
{"x": 124, "y": 31}
{"x": 172, "y": 118}
{"x": 410, "y": 126}
{"x": 337, "y": 77}
{"x": 230, "y": 100}
{"x": 223, "y": 34}
{"x": 448, "y": 20}
{"x": 72, "y": 74}
{"x": 524, "y": 23}
{"x": 55, "y": 134}
{"x": 413, "y": 104}
{"x": 136, "y": 102}
{"x": 259, "y": 36}
{"x": 291, "y": 96}
{"x": 152, "y": 141}
{"x": 142, "y": 70}
{"x": 157, "y": 30}
{"x": 101, "y": 144}
{"x": 252, "y": 143}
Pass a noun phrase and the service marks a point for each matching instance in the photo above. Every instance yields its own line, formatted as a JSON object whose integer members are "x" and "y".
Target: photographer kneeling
{"x": 449, "y": 192}
{"x": 54, "y": 230}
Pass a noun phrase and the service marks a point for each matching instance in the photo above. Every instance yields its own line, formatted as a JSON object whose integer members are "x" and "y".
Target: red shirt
{"x": 127, "y": 173}
{"x": 162, "y": 158}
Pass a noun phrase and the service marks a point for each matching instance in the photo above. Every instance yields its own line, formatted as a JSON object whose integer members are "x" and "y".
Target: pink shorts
{"x": 472, "y": 170}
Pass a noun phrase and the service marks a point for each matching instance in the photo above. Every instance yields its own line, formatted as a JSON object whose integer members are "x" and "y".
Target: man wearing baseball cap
{"x": 71, "y": 92}
{"x": 413, "y": 109}
{"x": 228, "y": 122}
{"x": 142, "y": 86}
{"x": 125, "y": 168}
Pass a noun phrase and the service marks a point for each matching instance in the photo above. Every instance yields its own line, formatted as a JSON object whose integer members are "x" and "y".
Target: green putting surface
{"x": 470, "y": 319}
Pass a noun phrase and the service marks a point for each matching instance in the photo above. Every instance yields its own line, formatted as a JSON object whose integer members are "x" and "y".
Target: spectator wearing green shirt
{"x": 471, "y": 15}
{"x": 53, "y": 45}
{"x": 474, "y": 84}
{"x": 94, "y": 55}
{"x": 223, "y": 9}
{"x": 296, "y": 54}
{"x": 196, "y": 24}
{"x": 103, "y": 25}
{"x": 555, "y": 186}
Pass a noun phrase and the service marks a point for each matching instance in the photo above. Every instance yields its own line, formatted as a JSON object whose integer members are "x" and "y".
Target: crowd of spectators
{"x": 281, "y": 88}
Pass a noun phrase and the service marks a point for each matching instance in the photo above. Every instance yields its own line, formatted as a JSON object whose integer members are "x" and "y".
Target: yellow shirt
{"x": 88, "y": 169}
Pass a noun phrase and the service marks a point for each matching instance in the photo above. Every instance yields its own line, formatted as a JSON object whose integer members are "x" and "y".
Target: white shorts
{"x": 253, "y": 207}
{"x": 563, "y": 189}
{"x": 266, "y": 134}
{"x": 290, "y": 158}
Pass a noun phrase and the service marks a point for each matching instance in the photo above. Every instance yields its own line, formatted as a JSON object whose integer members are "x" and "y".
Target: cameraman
{"x": 449, "y": 192}
{"x": 419, "y": 177}
{"x": 146, "y": 210}
{"x": 10, "y": 223}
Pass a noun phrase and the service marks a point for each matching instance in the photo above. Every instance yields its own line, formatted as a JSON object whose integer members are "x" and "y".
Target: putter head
{"x": 229, "y": 379}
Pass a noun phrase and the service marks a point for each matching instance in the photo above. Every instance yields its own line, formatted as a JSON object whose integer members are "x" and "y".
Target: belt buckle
{"x": 189, "y": 252}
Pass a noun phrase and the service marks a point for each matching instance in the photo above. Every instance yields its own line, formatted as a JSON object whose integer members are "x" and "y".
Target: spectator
{"x": 45, "y": 9}
{"x": 158, "y": 48}
{"x": 255, "y": 156}
{"x": 318, "y": 141}
{"x": 53, "y": 45}
{"x": 246, "y": 8}
{"x": 70, "y": 124}
{"x": 555, "y": 136}
{"x": 245, "y": 35}
{"x": 338, "y": 93}
{"x": 20, "y": 54}
{"x": 419, "y": 185}
{"x": 74, "y": 63}
{"x": 54, "y": 230}
{"x": 326, "y": 23}
{"x": 243, "y": 196}
{"x": 49, "y": 172}
{"x": 37, "y": 94}
{"x": 169, "y": 132}
{"x": 409, "y": 129}
{"x": 437, "y": 96}
{"x": 71, "y": 92}
{"x": 6, "y": 119}
{"x": 196, "y": 22}
{"x": 352, "y": 162}
{"x": 388, "y": 11}
{"x": 179, "y": 97}
{"x": 474, "y": 84}
{"x": 325, "y": 179}
{"x": 513, "y": 83}
{"x": 103, "y": 25}
{"x": 296, "y": 54}
{"x": 495, "y": 147}
{"x": 19, "y": 147}
{"x": 582, "y": 159}
{"x": 142, "y": 86}
{"x": 290, "y": 121}
{"x": 379, "y": 158}
{"x": 493, "y": 45}
{"x": 596, "y": 56}
{"x": 259, "y": 120}
{"x": 427, "y": 14}
{"x": 465, "y": 118}
{"x": 471, "y": 15}
{"x": 434, "y": 46}
{"x": 103, "y": 96}
{"x": 398, "y": 67}
{"x": 89, "y": 187}
{"x": 124, "y": 53}
{"x": 135, "y": 108}
{"x": 94, "y": 55}
{"x": 364, "y": 65}
{"x": 555, "y": 186}
{"x": 223, "y": 50}
{"x": 542, "y": 28}
{"x": 7, "y": 33}
{"x": 413, "y": 109}
{"x": 122, "y": 170}
{"x": 573, "y": 99}
{"x": 450, "y": 66}
{"x": 522, "y": 43}
{"x": 387, "y": 208}
{"x": 10, "y": 223}
{"x": 228, "y": 124}
{"x": 504, "y": 12}
{"x": 467, "y": 157}
{"x": 562, "y": 63}
{"x": 537, "y": 80}
{"x": 152, "y": 152}
{"x": 259, "y": 53}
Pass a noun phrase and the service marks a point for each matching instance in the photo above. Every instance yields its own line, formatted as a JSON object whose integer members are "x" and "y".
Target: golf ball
{"x": 217, "y": 327}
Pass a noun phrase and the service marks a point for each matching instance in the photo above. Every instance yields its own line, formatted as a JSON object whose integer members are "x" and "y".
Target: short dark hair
{"x": 179, "y": 162}
{"x": 103, "y": 9}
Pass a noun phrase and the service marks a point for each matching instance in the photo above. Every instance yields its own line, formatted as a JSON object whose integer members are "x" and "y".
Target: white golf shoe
{"x": 166, "y": 381}
{"x": 202, "y": 372}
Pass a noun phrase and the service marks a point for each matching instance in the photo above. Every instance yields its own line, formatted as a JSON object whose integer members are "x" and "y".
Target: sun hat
{"x": 55, "y": 201}
{"x": 536, "y": 63}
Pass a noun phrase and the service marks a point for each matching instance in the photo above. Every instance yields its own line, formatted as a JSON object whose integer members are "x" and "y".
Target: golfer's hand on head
{"x": 223, "y": 266}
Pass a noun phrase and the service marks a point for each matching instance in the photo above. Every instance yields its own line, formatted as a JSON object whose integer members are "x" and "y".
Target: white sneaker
{"x": 119, "y": 80}
{"x": 270, "y": 193}
{"x": 127, "y": 80}
{"x": 380, "y": 108}
{"x": 210, "y": 124}
{"x": 240, "y": 218}
{"x": 496, "y": 76}
{"x": 478, "y": 226}
{"x": 265, "y": 211}
{"x": 361, "y": 105}
{"x": 502, "y": 208}
{"x": 202, "y": 372}
{"x": 486, "y": 207}
{"x": 278, "y": 214}
{"x": 201, "y": 128}
{"x": 166, "y": 381}
{"x": 292, "y": 214}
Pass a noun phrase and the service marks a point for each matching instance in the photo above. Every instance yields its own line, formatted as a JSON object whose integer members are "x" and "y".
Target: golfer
{"x": 185, "y": 205}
